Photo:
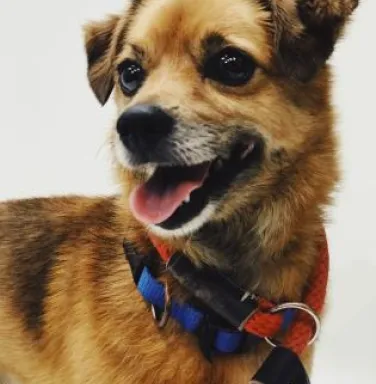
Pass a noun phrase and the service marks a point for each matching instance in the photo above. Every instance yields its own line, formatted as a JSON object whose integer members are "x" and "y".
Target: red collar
{"x": 268, "y": 319}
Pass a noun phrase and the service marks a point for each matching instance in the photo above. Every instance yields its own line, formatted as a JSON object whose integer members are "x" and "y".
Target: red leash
{"x": 266, "y": 324}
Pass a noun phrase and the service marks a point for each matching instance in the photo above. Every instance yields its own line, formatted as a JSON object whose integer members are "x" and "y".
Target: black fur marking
{"x": 279, "y": 157}
{"x": 136, "y": 4}
{"x": 31, "y": 271}
{"x": 210, "y": 45}
{"x": 102, "y": 87}
{"x": 34, "y": 254}
{"x": 97, "y": 47}
{"x": 37, "y": 234}
{"x": 122, "y": 35}
{"x": 213, "y": 43}
{"x": 99, "y": 67}
{"x": 139, "y": 53}
{"x": 302, "y": 57}
{"x": 266, "y": 5}
{"x": 317, "y": 42}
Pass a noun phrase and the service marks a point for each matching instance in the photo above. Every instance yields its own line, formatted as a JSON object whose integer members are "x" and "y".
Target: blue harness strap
{"x": 225, "y": 340}
{"x": 154, "y": 293}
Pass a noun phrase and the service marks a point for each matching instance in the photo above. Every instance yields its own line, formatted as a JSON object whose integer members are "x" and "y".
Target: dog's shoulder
{"x": 44, "y": 222}
{"x": 40, "y": 237}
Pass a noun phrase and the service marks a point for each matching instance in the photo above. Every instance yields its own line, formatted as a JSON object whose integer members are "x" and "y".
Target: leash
{"x": 246, "y": 315}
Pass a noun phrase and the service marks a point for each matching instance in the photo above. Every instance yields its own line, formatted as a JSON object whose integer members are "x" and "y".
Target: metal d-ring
{"x": 161, "y": 319}
{"x": 301, "y": 307}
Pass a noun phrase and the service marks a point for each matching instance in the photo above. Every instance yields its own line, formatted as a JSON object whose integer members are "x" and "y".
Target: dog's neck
{"x": 276, "y": 266}
{"x": 271, "y": 247}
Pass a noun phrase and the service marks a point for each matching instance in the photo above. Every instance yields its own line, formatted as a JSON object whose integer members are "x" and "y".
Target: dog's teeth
{"x": 187, "y": 199}
{"x": 249, "y": 149}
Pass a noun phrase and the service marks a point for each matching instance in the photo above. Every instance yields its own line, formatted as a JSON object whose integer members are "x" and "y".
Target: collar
{"x": 226, "y": 318}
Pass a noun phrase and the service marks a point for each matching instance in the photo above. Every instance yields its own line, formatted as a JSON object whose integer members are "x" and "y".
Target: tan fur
{"x": 69, "y": 311}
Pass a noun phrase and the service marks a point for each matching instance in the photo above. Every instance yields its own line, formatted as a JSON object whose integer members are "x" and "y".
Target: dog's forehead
{"x": 159, "y": 24}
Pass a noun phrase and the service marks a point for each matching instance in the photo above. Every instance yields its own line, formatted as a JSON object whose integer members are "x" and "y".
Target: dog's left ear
{"x": 305, "y": 33}
{"x": 100, "y": 50}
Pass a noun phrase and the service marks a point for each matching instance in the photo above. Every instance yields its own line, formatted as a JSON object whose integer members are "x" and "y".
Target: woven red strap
{"x": 302, "y": 330}
{"x": 266, "y": 324}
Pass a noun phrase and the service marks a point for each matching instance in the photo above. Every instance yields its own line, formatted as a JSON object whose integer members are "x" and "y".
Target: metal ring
{"x": 162, "y": 319}
{"x": 301, "y": 307}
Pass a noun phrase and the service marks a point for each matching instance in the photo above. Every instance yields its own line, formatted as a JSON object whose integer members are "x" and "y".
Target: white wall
{"x": 52, "y": 141}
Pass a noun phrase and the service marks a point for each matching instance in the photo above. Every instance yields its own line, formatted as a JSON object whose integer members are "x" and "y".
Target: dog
{"x": 225, "y": 151}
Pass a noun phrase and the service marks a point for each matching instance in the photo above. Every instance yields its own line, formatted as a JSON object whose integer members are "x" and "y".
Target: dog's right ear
{"x": 100, "y": 51}
{"x": 305, "y": 33}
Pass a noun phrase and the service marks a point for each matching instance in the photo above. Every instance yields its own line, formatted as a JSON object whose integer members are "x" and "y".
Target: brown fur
{"x": 69, "y": 311}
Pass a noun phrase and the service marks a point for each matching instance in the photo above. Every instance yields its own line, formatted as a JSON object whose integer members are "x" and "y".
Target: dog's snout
{"x": 142, "y": 126}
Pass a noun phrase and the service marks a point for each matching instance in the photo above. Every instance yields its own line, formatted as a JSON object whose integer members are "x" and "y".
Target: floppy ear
{"x": 100, "y": 50}
{"x": 305, "y": 33}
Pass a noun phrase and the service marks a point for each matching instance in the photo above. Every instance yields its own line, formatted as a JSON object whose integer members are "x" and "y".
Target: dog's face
{"x": 215, "y": 99}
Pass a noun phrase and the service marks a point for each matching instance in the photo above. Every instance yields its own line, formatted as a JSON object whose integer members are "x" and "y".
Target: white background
{"x": 53, "y": 133}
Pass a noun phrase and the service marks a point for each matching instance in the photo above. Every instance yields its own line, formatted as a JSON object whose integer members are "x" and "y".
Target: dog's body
{"x": 253, "y": 144}
{"x": 79, "y": 318}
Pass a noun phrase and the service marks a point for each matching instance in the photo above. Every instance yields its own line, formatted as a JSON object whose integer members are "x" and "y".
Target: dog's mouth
{"x": 175, "y": 195}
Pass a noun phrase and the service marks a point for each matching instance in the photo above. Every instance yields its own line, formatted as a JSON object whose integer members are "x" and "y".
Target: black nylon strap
{"x": 281, "y": 367}
{"x": 213, "y": 291}
{"x": 135, "y": 260}
{"x": 138, "y": 261}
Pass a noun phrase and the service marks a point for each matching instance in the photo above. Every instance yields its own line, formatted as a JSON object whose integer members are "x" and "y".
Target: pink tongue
{"x": 154, "y": 208}
{"x": 158, "y": 199}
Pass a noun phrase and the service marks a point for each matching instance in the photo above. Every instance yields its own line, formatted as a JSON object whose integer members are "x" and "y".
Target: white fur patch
{"x": 123, "y": 158}
{"x": 188, "y": 228}
{"x": 121, "y": 153}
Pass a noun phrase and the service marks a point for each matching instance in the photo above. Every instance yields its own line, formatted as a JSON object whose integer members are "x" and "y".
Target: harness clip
{"x": 161, "y": 317}
{"x": 301, "y": 307}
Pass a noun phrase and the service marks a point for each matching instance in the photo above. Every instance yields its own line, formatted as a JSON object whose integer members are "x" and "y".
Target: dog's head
{"x": 215, "y": 99}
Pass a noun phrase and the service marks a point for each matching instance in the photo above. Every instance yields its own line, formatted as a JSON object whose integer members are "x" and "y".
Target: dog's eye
{"x": 231, "y": 67}
{"x": 131, "y": 76}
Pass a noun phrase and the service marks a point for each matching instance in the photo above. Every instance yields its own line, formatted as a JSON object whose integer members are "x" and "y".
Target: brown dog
{"x": 224, "y": 146}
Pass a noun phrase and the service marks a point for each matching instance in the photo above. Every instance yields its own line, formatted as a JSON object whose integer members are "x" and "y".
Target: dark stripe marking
{"x": 127, "y": 24}
{"x": 97, "y": 47}
{"x": 33, "y": 262}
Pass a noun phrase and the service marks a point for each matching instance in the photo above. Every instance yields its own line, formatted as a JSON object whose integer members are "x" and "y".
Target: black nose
{"x": 141, "y": 127}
